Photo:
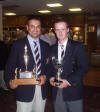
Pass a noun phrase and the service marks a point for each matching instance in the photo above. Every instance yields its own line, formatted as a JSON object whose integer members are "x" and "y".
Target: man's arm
{"x": 81, "y": 66}
{"x": 11, "y": 65}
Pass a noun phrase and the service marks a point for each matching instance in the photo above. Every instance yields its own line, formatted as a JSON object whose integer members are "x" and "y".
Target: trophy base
{"x": 57, "y": 83}
{"x": 26, "y": 81}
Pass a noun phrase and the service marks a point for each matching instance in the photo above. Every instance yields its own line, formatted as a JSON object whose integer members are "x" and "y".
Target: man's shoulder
{"x": 44, "y": 43}
{"x": 75, "y": 43}
{"x": 53, "y": 48}
{"x": 77, "y": 46}
{"x": 19, "y": 41}
{"x": 2, "y": 43}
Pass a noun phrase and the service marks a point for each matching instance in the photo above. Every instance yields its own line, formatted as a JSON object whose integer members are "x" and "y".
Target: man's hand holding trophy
{"x": 57, "y": 80}
{"x": 25, "y": 77}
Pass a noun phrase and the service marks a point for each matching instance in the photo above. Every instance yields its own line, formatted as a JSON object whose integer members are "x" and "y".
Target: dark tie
{"x": 37, "y": 58}
{"x": 62, "y": 51}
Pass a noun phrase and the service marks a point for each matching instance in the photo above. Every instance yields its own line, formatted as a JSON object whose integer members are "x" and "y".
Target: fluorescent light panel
{"x": 75, "y": 9}
{"x": 54, "y": 5}
{"x": 9, "y": 14}
{"x": 44, "y": 11}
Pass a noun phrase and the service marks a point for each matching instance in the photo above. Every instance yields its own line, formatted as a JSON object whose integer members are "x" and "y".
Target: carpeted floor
{"x": 91, "y": 101}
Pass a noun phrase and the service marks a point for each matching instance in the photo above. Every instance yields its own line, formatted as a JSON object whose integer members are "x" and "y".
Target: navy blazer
{"x": 16, "y": 60}
{"x": 3, "y": 55}
{"x": 75, "y": 66}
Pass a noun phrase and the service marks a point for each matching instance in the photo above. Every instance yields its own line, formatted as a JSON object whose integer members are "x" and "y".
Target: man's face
{"x": 61, "y": 30}
{"x": 34, "y": 28}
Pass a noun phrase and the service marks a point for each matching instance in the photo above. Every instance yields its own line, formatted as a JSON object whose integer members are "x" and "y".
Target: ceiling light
{"x": 75, "y": 9}
{"x": 44, "y": 11}
{"x": 54, "y": 5}
{"x": 9, "y": 14}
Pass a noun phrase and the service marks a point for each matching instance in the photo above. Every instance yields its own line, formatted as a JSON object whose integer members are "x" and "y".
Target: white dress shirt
{"x": 60, "y": 50}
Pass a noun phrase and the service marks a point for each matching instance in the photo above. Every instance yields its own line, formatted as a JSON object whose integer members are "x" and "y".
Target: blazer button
{"x": 72, "y": 71}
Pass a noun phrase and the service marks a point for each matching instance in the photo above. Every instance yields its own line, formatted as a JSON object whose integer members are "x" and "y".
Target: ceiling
{"x": 29, "y": 7}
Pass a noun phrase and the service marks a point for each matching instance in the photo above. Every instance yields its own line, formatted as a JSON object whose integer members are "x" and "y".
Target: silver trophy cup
{"x": 59, "y": 69}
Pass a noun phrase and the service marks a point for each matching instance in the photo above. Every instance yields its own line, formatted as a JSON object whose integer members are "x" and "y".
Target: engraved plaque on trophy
{"x": 58, "y": 66}
{"x": 26, "y": 77}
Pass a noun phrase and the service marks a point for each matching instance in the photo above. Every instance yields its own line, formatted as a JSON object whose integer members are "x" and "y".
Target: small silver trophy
{"x": 58, "y": 66}
{"x": 26, "y": 77}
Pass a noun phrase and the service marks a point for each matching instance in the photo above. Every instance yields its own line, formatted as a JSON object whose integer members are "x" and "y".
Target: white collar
{"x": 64, "y": 44}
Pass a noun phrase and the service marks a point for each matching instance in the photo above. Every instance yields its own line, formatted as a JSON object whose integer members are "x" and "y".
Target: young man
{"x": 29, "y": 98}
{"x": 68, "y": 95}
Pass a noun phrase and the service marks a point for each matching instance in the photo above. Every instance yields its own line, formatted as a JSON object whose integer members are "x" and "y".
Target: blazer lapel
{"x": 31, "y": 57}
{"x": 42, "y": 50}
{"x": 69, "y": 50}
{"x": 56, "y": 51}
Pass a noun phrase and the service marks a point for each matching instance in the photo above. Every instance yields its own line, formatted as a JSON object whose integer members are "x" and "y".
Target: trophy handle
{"x": 16, "y": 73}
{"x": 35, "y": 72}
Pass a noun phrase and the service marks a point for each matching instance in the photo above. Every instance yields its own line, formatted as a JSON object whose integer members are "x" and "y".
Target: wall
{"x": 16, "y": 21}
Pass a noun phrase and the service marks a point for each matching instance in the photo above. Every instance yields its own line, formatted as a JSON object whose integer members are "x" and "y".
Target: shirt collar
{"x": 32, "y": 39}
{"x": 64, "y": 44}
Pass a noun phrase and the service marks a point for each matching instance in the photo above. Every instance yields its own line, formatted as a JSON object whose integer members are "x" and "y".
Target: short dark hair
{"x": 61, "y": 19}
{"x": 33, "y": 18}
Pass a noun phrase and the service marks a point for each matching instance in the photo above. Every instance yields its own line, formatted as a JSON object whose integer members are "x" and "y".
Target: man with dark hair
{"x": 29, "y": 98}
{"x": 67, "y": 96}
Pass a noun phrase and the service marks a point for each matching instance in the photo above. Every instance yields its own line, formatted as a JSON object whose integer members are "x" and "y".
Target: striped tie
{"x": 62, "y": 51}
{"x": 37, "y": 58}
